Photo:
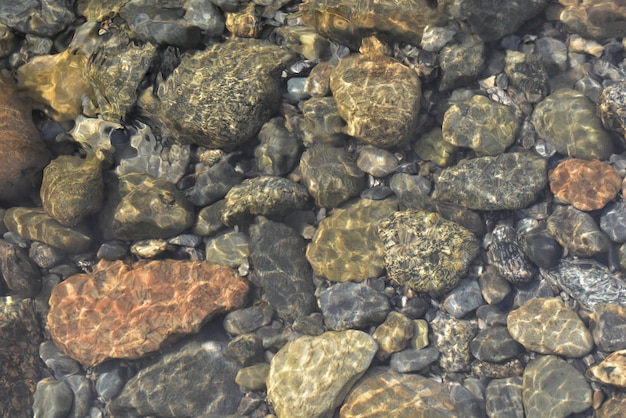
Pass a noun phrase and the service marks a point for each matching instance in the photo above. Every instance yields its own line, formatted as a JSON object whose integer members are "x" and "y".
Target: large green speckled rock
{"x": 567, "y": 120}
{"x": 309, "y": 377}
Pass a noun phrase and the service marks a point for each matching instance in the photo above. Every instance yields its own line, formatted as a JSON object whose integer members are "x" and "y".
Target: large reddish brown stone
{"x": 585, "y": 184}
{"x": 127, "y": 311}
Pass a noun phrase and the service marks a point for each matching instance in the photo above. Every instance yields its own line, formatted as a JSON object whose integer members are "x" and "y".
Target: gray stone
{"x": 20, "y": 274}
{"x": 504, "y": 398}
{"x": 209, "y": 219}
{"x": 212, "y": 183}
{"x": 613, "y": 222}
{"x": 112, "y": 250}
{"x": 54, "y": 359}
{"x": 494, "y": 288}
{"x": 353, "y": 305}
{"x": 495, "y": 344}
{"x": 413, "y": 360}
{"x": 228, "y": 249}
{"x": 243, "y": 321}
{"x": 461, "y": 63}
{"x": 465, "y": 298}
{"x": 608, "y": 327}
{"x": 245, "y": 350}
{"x": 83, "y": 395}
{"x": 111, "y": 380}
{"x": 577, "y": 231}
{"x": 376, "y": 162}
{"x": 278, "y": 151}
{"x": 612, "y": 107}
{"x": 527, "y": 73}
{"x": 53, "y": 399}
{"x": 45, "y": 256}
{"x": 452, "y": 338}
{"x": 43, "y": 18}
{"x": 541, "y": 248}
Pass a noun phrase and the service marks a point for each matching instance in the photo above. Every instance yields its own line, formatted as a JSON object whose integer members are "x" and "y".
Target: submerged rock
{"x": 38, "y": 17}
{"x": 577, "y": 231}
{"x": 599, "y": 19}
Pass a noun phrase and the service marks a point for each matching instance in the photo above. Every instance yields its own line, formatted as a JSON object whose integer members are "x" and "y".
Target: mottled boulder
{"x": 22, "y": 153}
{"x": 599, "y": 19}
{"x": 72, "y": 188}
{"x": 547, "y": 326}
{"x": 553, "y": 388}
{"x": 506, "y": 255}
{"x": 508, "y": 181}
{"x": 334, "y": 361}
{"x": 469, "y": 124}
{"x": 242, "y": 79}
{"x": 195, "y": 380}
{"x": 353, "y": 306}
{"x": 139, "y": 206}
{"x": 36, "y": 224}
{"x": 611, "y": 370}
{"x": 37, "y": 17}
{"x": 127, "y": 311}
{"x": 608, "y": 327}
{"x": 577, "y": 231}
{"x": 278, "y": 257}
{"x": 362, "y": 86}
{"x": 345, "y": 246}
{"x": 20, "y": 274}
{"x": 269, "y": 196}
{"x": 567, "y": 120}
{"x": 385, "y": 392}
{"x": 452, "y": 337}
{"x": 586, "y": 185}
{"x": 425, "y": 251}
{"x": 330, "y": 175}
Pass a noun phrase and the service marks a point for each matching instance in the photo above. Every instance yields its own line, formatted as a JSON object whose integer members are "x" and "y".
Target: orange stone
{"x": 585, "y": 184}
{"x": 127, "y": 311}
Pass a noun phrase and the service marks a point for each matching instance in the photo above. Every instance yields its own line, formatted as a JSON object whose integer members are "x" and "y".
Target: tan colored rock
{"x": 394, "y": 334}
{"x": 127, "y": 311}
{"x": 611, "y": 370}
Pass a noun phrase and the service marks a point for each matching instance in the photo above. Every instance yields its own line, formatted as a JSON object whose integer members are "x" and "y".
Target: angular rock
{"x": 613, "y": 222}
{"x": 195, "y": 380}
{"x": 127, "y": 311}
{"x": 268, "y": 196}
{"x": 333, "y": 360}
{"x": 53, "y": 398}
{"x": 506, "y": 254}
{"x": 547, "y": 326}
{"x": 228, "y": 249}
{"x": 393, "y": 335}
{"x": 212, "y": 183}
{"x": 495, "y": 344}
{"x": 611, "y": 370}
{"x": 612, "y": 107}
{"x": 567, "y": 120}
{"x": 278, "y": 256}
{"x": 243, "y": 321}
{"x": 345, "y": 246}
{"x": 608, "y": 327}
{"x": 19, "y": 364}
{"x": 247, "y": 70}
{"x": 362, "y": 86}
{"x": 353, "y": 305}
{"x": 577, "y": 231}
{"x": 385, "y": 392}
{"x": 425, "y": 251}
{"x": 36, "y": 224}
{"x": 461, "y": 62}
{"x": 42, "y": 18}
{"x": 452, "y": 338}
{"x": 278, "y": 151}
{"x": 73, "y": 188}
{"x": 20, "y": 274}
{"x": 322, "y": 122}
{"x": 22, "y": 153}
{"x": 469, "y": 124}
{"x": 139, "y": 206}
{"x": 245, "y": 349}
{"x": 553, "y": 388}
{"x": 586, "y": 185}
{"x": 599, "y": 19}
{"x": 330, "y": 175}
{"x": 504, "y": 398}
{"x": 508, "y": 181}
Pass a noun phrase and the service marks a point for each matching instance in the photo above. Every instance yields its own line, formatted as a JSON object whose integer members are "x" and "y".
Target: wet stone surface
{"x": 507, "y": 256}
{"x": 353, "y": 305}
{"x": 577, "y": 231}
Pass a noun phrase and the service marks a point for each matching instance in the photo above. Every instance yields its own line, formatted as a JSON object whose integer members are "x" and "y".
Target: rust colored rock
{"x": 585, "y": 184}
{"x": 22, "y": 153}
{"x": 127, "y": 311}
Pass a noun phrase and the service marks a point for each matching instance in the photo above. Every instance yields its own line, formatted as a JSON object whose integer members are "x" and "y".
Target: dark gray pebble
{"x": 541, "y": 248}
{"x": 83, "y": 395}
{"x": 413, "y": 360}
{"x": 112, "y": 250}
{"x": 53, "y": 399}
{"x": 111, "y": 379}
{"x": 613, "y": 222}
{"x": 495, "y": 344}
{"x": 243, "y": 321}
{"x": 60, "y": 364}
{"x": 465, "y": 298}
{"x": 353, "y": 305}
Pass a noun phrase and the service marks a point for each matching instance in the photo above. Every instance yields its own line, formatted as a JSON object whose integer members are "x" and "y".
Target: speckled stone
{"x": 267, "y": 195}
{"x": 228, "y": 249}
{"x": 385, "y": 392}
{"x": 504, "y": 398}
{"x": 452, "y": 338}
{"x": 365, "y": 106}
{"x": 553, "y": 388}
{"x": 310, "y": 376}
{"x": 36, "y": 224}
{"x": 19, "y": 273}
{"x": 330, "y": 175}
{"x": 195, "y": 380}
{"x": 432, "y": 147}
{"x": 278, "y": 151}
{"x": 278, "y": 256}
{"x": 586, "y": 185}
{"x": 469, "y": 124}
{"x": 487, "y": 370}
{"x": 608, "y": 327}
{"x": 19, "y": 363}
{"x": 495, "y": 344}
{"x": 44, "y": 255}
{"x": 353, "y": 305}
{"x": 577, "y": 231}
{"x": 411, "y": 238}
{"x": 461, "y": 62}
{"x": 393, "y": 335}
{"x": 611, "y": 370}
{"x": 90, "y": 319}
{"x": 508, "y": 181}
{"x": 527, "y": 72}
{"x": 612, "y": 107}
{"x": 52, "y": 398}
{"x": 506, "y": 255}
{"x": 547, "y": 326}
{"x": 463, "y": 299}
{"x": 345, "y": 246}
{"x": 613, "y": 222}
{"x": 139, "y": 206}
{"x": 599, "y": 19}
{"x": 568, "y": 121}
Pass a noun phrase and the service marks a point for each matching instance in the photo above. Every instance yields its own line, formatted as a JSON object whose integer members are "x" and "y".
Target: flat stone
{"x": 553, "y": 388}
{"x": 452, "y": 338}
{"x": 507, "y": 181}
{"x": 20, "y": 274}
{"x": 599, "y": 19}
{"x": 53, "y": 398}
{"x": 413, "y": 359}
{"x": 267, "y": 195}
{"x": 243, "y": 321}
{"x": 345, "y": 246}
{"x": 277, "y": 253}
{"x": 567, "y": 120}
{"x": 613, "y": 222}
{"x": 139, "y": 206}
{"x": 547, "y": 326}
{"x": 353, "y": 305}
{"x": 393, "y": 335}
{"x": 469, "y": 124}
{"x": 495, "y": 344}
{"x": 36, "y": 224}
{"x": 376, "y": 162}
{"x": 200, "y": 382}
{"x": 334, "y": 360}
{"x": 577, "y": 231}
{"x": 228, "y": 249}
{"x": 487, "y": 370}
{"x": 253, "y": 377}
{"x": 411, "y": 238}
{"x": 506, "y": 254}
{"x": 611, "y": 370}
{"x": 385, "y": 392}
{"x": 586, "y": 185}
{"x": 504, "y": 398}
{"x": 465, "y": 298}
{"x": 19, "y": 364}
{"x": 608, "y": 327}
{"x": 90, "y": 314}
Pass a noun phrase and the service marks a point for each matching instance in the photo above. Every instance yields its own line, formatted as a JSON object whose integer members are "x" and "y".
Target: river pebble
{"x": 353, "y": 305}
